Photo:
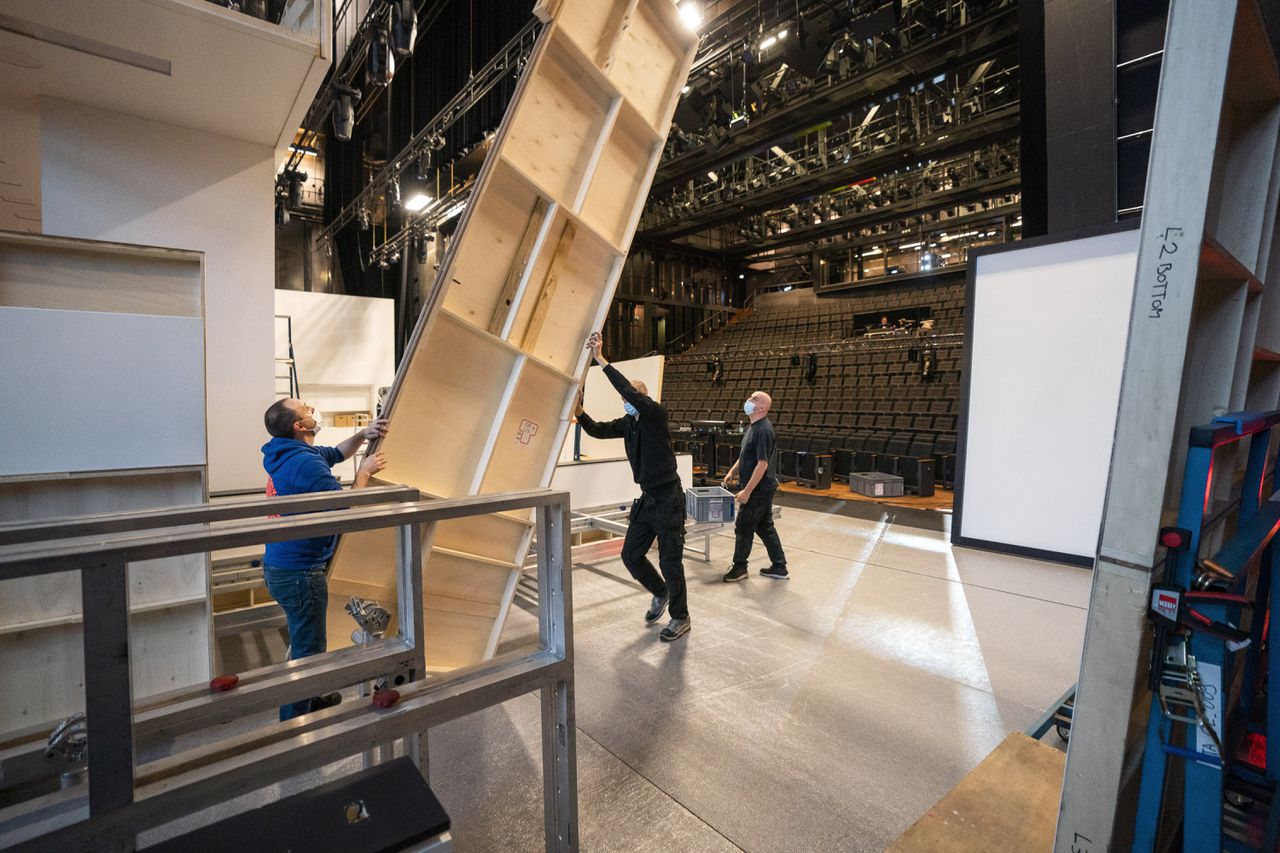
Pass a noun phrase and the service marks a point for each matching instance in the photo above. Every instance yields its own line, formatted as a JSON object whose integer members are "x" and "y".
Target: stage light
{"x": 393, "y": 194}
{"x": 344, "y": 111}
{"x": 423, "y": 167}
{"x": 417, "y": 202}
{"x": 404, "y": 27}
{"x": 691, "y": 15}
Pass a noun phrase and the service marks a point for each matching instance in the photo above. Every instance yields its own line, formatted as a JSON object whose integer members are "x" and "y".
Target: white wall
{"x": 344, "y": 347}
{"x": 1050, "y": 325}
{"x": 603, "y": 403}
{"x": 107, "y": 176}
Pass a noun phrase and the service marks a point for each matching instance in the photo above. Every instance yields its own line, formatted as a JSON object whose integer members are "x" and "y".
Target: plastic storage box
{"x": 710, "y": 504}
{"x": 873, "y": 484}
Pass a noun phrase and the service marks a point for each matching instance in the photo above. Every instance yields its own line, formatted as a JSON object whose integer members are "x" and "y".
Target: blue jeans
{"x": 304, "y": 596}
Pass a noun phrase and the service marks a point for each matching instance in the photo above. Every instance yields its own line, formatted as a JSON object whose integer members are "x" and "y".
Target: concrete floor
{"x": 826, "y": 712}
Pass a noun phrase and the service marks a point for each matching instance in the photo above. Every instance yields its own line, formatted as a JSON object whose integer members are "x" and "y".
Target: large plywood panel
{"x": 507, "y": 209}
{"x": 457, "y": 371}
{"x": 561, "y": 302}
{"x": 593, "y": 26}
{"x": 558, "y": 122}
{"x": 649, "y": 61}
{"x": 109, "y": 372}
{"x": 616, "y": 192}
{"x": 528, "y": 438}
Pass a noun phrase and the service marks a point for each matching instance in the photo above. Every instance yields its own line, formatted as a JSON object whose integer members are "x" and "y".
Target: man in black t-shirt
{"x": 756, "y": 473}
{"x": 659, "y": 511}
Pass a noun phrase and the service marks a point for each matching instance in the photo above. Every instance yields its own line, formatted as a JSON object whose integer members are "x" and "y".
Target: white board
{"x": 1049, "y": 328}
{"x": 134, "y": 382}
{"x": 607, "y": 482}
{"x": 603, "y": 403}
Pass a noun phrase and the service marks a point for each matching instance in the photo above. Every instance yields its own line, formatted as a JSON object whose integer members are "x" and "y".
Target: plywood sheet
{"x": 87, "y": 276}
{"x": 495, "y": 536}
{"x": 457, "y": 370}
{"x": 614, "y": 198}
{"x": 557, "y": 124}
{"x": 504, "y": 211}
{"x": 592, "y": 25}
{"x": 527, "y": 439}
{"x": 561, "y": 301}
{"x": 1008, "y": 802}
{"x": 649, "y": 62}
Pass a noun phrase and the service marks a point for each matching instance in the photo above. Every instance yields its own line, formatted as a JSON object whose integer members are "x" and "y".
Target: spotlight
{"x": 344, "y": 111}
{"x": 423, "y": 167}
{"x": 282, "y": 212}
{"x": 691, "y": 15}
{"x": 417, "y": 202}
{"x": 404, "y": 27}
{"x": 379, "y": 69}
{"x": 422, "y": 249}
{"x": 294, "y": 181}
{"x": 393, "y": 194}
{"x": 437, "y": 142}
{"x": 362, "y": 216}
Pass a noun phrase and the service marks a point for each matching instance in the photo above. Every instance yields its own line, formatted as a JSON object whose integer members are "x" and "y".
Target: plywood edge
{"x": 77, "y": 244}
{"x": 1008, "y": 802}
{"x": 476, "y": 558}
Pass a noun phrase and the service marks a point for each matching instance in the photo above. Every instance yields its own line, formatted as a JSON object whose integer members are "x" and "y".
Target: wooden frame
{"x": 68, "y": 284}
{"x": 482, "y": 400}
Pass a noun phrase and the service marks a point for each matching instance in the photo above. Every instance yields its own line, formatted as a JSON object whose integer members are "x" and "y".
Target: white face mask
{"x": 319, "y": 421}
{"x": 749, "y": 407}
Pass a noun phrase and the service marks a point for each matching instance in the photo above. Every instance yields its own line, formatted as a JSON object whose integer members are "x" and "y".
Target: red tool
{"x": 223, "y": 683}
{"x": 385, "y": 698}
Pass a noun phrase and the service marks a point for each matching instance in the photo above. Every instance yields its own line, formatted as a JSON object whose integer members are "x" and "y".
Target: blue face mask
{"x": 749, "y": 407}
{"x": 631, "y": 410}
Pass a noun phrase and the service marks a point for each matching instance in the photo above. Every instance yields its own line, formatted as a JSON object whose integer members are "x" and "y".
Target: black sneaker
{"x": 778, "y": 573}
{"x": 654, "y": 613}
{"x": 675, "y": 629}
{"x": 735, "y": 574}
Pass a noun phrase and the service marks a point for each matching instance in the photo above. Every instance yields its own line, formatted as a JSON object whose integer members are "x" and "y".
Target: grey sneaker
{"x": 675, "y": 629}
{"x": 654, "y": 613}
{"x": 779, "y": 573}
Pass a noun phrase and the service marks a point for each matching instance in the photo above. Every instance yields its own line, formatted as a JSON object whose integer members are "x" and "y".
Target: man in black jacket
{"x": 659, "y": 511}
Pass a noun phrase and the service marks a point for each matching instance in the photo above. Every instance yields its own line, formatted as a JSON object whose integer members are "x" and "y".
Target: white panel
{"x": 603, "y": 403}
{"x": 108, "y": 176}
{"x": 1049, "y": 330}
{"x": 340, "y": 340}
{"x": 607, "y": 482}
{"x": 133, "y": 382}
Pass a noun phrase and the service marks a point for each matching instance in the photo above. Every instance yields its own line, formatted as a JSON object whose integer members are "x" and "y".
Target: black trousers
{"x": 658, "y": 514}
{"x": 755, "y": 518}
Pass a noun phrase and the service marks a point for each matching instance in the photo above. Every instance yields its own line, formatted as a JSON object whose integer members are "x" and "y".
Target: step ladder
{"x": 1205, "y": 325}
{"x": 286, "y": 374}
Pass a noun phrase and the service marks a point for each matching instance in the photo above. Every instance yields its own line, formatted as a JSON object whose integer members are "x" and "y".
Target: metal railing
{"x": 125, "y": 797}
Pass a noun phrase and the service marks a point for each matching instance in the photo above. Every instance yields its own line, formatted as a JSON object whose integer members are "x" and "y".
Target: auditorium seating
{"x": 863, "y": 398}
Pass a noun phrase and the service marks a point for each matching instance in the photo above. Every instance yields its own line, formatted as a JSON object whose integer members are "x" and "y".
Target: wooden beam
{"x": 543, "y": 304}
{"x": 503, "y": 309}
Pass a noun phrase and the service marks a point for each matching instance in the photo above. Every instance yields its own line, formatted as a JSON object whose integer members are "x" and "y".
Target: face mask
{"x": 631, "y": 410}
{"x": 319, "y": 421}
{"x": 749, "y": 407}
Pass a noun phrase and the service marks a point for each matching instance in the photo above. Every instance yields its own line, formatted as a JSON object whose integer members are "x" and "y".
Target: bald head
{"x": 640, "y": 386}
{"x": 762, "y": 400}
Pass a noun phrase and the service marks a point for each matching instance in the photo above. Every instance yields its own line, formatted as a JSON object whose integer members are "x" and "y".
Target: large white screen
{"x": 1046, "y": 353}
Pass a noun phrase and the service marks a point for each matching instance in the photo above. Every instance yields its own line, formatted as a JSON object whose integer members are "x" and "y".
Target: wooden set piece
{"x": 483, "y": 396}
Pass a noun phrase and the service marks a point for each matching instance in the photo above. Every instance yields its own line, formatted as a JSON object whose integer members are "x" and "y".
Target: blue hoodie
{"x": 297, "y": 468}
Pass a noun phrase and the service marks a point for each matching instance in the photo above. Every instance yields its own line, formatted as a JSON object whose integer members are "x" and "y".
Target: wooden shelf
{"x": 1218, "y": 264}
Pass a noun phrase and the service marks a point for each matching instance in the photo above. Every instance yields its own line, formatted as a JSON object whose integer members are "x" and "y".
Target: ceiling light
{"x": 768, "y": 43}
{"x": 417, "y": 202}
{"x": 691, "y": 15}
{"x": 685, "y": 90}
{"x": 782, "y": 34}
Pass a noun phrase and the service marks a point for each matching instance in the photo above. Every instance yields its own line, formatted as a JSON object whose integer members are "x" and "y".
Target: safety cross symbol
{"x": 528, "y": 429}
{"x": 1165, "y": 603}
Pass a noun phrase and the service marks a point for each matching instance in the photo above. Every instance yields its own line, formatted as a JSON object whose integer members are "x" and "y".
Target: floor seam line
{"x": 658, "y": 787}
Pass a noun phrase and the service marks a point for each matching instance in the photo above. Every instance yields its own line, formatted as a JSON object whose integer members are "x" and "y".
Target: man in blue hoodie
{"x": 295, "y": 571}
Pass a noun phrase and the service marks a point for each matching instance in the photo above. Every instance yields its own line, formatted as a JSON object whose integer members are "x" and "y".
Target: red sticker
{"x": 528, "y": 429}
